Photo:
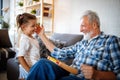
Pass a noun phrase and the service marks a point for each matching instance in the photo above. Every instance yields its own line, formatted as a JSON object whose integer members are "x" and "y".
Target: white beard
{"x": 87, "y": 36}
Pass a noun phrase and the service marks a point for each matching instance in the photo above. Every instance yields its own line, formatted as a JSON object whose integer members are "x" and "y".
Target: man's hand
{"x": 42, "y": 32}
{"x": 39, "y": 29}
{"x": 88, "y": 71}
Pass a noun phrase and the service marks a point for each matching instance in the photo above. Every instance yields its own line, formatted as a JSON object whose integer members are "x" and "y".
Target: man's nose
{"x": 81, "y": 29}
{"x": 35, "y": 27}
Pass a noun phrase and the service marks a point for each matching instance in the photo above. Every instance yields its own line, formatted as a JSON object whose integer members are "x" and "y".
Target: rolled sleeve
{"x": 115, "y": 55}
{"x": 58, "y": 53}
{"x": 66, "y": 52}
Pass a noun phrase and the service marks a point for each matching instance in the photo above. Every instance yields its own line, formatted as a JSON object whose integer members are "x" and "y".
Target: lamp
{"x": 5, "y": 9}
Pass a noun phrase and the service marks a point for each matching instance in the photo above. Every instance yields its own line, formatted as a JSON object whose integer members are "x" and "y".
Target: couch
{"x": 5, "y": 49}
{"x": 59, "y": 39}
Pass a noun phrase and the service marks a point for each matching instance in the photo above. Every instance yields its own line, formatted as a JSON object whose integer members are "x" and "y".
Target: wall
{"x": 68, "y": 13}
{"x": 13, "y": 29}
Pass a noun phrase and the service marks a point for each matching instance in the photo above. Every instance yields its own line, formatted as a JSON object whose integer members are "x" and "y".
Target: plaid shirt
{"x": 102, "y": 52}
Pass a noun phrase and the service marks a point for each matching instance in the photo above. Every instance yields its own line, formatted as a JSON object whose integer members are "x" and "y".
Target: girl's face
{"x": 29, "y": 28}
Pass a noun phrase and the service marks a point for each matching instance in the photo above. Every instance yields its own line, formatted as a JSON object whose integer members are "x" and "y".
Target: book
{"x": 63, "y": 65}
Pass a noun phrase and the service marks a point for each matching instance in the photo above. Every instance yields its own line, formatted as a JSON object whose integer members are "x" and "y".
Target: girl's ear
{"x": 22, "y": 26}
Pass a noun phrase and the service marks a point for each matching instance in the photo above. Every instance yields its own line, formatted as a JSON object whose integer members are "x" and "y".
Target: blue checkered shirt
{"x": 102, "y": 52}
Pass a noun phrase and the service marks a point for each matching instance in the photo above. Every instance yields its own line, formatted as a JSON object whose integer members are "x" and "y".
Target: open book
{"x": 63, "y": 65}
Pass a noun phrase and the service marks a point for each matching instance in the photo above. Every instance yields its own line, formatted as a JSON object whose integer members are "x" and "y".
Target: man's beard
{"x": 87, "y": 36}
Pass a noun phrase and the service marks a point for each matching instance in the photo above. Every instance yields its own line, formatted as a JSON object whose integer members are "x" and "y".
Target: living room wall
{"x": 68, "y": 13}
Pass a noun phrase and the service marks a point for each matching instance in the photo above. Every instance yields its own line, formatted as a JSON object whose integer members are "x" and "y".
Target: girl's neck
{"x": 29, "y": 35}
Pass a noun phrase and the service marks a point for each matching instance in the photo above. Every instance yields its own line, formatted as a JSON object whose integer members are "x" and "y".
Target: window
{"x": 1, "y": 4}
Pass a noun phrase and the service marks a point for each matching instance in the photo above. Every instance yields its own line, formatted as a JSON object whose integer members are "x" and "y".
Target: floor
{"x": 3, "y": 75}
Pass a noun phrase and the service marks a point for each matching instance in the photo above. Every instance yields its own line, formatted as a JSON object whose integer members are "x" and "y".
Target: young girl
{"x": 28, "y": 53}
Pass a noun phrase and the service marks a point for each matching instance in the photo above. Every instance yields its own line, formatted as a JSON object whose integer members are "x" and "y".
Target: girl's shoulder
{"x": 23, "y": 36}
{"x": 24, "y": 39}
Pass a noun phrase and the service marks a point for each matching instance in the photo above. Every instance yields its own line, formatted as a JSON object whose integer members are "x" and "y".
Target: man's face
{"x": 86, "y": 28}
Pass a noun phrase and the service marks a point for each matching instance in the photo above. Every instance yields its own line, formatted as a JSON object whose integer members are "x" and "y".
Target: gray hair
{"x": 92, "y": 16}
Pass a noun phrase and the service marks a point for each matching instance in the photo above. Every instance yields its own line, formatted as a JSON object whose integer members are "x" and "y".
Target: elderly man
{"x": 97, "y": 56}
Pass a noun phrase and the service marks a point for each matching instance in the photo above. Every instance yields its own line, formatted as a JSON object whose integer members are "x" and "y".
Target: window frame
{"x": 1, "y": 6}
{"x": 1, "y": 12}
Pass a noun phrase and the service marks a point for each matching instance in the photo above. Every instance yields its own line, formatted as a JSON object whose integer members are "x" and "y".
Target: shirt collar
{"x": 97, "y": 36}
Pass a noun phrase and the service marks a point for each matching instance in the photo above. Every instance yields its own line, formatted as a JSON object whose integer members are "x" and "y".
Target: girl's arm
{"x": 24, "y": 63}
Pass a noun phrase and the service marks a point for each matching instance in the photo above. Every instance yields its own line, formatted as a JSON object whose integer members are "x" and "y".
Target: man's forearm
{"x": 47, "y": 43}
{"x": 102, "y": 75}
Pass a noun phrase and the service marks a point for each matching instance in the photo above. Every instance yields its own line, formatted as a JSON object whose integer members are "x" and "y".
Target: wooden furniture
{"x": 43, "y": 9}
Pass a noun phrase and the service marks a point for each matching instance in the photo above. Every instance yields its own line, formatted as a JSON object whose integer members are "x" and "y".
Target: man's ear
{"x": 94, "y": 25}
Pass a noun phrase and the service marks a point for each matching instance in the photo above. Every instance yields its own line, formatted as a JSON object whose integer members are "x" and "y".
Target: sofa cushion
{"x": 44, "y": 51}
{"x": 4, "y": 39}
{"x": 60, "y": 40}
{"x": 67, "y": 39}
{"x": 12, "y": 69}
